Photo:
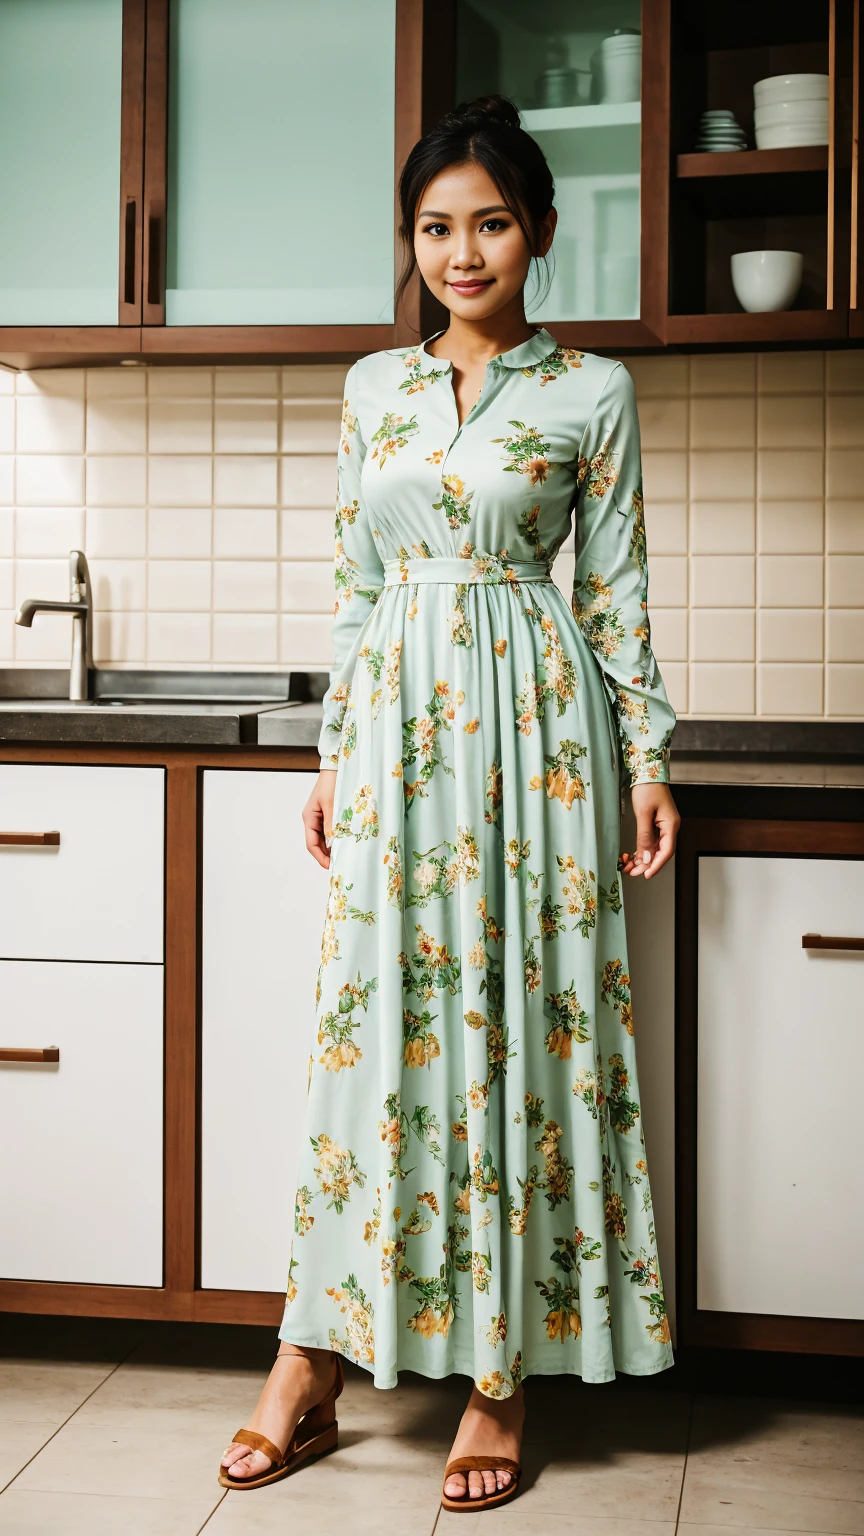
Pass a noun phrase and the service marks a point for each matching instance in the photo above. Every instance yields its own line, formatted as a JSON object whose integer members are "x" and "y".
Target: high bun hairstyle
{"x": 489, "y": 132}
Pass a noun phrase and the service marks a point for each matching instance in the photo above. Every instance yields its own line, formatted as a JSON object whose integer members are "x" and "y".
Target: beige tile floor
{"x": 115, "y": 1429}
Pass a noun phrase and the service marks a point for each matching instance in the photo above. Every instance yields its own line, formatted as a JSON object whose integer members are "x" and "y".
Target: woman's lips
{"x": 476, "y": 285}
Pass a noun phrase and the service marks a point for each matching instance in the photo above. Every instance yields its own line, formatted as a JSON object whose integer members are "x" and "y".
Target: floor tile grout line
{"x": 216, "y": 1506}
{"x": 69, "y": 1417}
{"x": 686, "y": 1458}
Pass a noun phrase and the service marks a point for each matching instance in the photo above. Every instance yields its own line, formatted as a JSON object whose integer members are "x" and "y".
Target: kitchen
{"x": 178, "y": 425}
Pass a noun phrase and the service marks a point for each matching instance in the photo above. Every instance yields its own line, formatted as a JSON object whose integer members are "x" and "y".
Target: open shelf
{"x": 615, "y": 114}
{"x": 804, "y": 159}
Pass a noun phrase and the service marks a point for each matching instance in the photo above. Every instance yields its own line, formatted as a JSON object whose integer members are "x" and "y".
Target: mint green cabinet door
{"x": 60, "y": 77}
{"x": 280, "y": 162}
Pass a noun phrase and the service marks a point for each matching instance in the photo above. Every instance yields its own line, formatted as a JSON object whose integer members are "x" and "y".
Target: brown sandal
{"x": 481, "y": 1464}
{"x": 315, "y": 1435}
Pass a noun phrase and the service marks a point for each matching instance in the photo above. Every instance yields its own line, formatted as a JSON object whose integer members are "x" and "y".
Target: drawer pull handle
{"x": 29, "y": 839}
{"x": 829, "y": 941}
{"x": 18, "y": 1053}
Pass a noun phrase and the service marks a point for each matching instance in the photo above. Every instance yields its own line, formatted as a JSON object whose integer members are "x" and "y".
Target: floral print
{"x": 473, "y": 1193}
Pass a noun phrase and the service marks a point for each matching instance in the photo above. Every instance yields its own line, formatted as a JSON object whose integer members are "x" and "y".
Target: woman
{"x": 474, "y": 1194}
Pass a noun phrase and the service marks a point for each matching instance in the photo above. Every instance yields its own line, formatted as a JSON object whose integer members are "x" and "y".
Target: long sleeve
{"x": 610, "y": 588}
{"x": 358, "y": 570}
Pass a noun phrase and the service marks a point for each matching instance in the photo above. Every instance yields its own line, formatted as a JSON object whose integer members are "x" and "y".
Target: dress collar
{"x": 534, "y": 350}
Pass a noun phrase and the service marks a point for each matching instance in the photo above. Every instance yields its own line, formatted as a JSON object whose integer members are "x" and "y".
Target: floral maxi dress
{"x": 474, "y": 1193}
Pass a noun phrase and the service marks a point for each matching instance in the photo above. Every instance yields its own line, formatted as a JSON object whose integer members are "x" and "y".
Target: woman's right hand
{"x": 318, "y": 816}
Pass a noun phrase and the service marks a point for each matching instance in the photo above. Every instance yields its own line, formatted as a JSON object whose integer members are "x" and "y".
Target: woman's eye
{"x": 435, "y": 229}
{"x": 493, "y": 224}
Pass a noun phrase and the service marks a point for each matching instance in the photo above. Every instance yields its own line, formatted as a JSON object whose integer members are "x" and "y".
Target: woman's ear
{"x": 547, "y": 231}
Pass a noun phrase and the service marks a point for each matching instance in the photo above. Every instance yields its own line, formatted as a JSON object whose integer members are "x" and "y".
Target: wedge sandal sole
{"x": 316, "y": 1434}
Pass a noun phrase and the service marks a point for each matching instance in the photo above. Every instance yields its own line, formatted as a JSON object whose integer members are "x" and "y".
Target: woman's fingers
{"x": 318, "y": 819}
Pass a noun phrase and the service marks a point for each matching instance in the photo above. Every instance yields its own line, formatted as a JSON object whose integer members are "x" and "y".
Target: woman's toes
{"x": 455, "y": 1486}
{"x": 476, "y": 1487}
{"x": 233, "y": 1453}
{"x": 504, "y": 1479}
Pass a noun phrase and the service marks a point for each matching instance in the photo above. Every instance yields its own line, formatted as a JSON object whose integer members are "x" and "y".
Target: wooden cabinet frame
{"x": 740, "y": 824}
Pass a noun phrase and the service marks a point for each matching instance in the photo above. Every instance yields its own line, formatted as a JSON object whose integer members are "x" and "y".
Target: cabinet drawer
{"x": 97, "y": 895}
{"x": 82, "y": 1134}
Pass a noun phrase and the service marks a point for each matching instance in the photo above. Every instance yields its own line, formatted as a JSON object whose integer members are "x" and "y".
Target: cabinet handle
{"x": 154, "y": 252}
{"x": 130, "y": 226}
{"x": 29, "y": 839}
{"x": 17, "y": 1053}
{"x": 829, "y": 941}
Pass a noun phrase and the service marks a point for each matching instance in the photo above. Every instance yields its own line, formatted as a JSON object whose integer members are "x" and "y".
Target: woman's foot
{"x": 300, "y": 1378}
{"x": 491, "y": 1427}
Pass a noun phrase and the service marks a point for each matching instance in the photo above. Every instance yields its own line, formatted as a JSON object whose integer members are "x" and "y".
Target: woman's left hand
{"x": 657, "y": 823}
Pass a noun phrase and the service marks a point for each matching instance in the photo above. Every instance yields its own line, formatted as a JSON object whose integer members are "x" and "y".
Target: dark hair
{"x": 489, "y": 132}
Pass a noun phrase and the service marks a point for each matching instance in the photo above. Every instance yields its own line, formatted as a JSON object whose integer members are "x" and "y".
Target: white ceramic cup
{"x": 766, "y": 280}
{"x": 621, "y": 76}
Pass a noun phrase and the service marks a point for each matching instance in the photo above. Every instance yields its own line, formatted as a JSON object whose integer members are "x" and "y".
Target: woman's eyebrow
{"x": 479, "y": 213}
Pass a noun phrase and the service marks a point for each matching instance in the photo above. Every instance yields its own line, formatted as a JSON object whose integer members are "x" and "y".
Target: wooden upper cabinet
{"x": 603, "y": 124}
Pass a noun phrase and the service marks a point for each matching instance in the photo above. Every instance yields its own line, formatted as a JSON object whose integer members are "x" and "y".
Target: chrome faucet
{"x": 80, "y": 605}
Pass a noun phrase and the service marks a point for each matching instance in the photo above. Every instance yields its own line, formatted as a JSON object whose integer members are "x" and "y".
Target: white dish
{"x": 790, "y": 137}
{"x": 791, "y": 112}
{"x": 713, "y": 112}
{"x": 790, "y": 88}
{"x": 765, "y": 281}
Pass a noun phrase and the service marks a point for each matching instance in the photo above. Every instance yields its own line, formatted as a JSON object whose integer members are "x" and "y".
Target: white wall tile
{"x": 116, "y": 383}
{"x": 179, "y": 585}
{"x": 791, "y": 527}
{"x": 49, "y": 639}
{"x": 7, "y": 479}
{"x": 116, "y": 426}
{"x": 790, "y": 581}
{"x": 722, "y": 528}
{"x": 668, "y": 633}
{"x": 730, "y": 373}
{"x": 790, "y": 474}
{"x": 844, "y": 472}
{"x": 233, "y": 381}
{"x": 790, "y": 634}
{"x": 722, "y": 421}
{"x": 7, "y": 635}
{"x": 309, "y": 480}
{"x": 244, "y": 586}
{"x": 314, "y": 381}
{"x": 49, "y": 480}
{"x": 52, "y": 381}
{"x": 116, "y": 532}
{"x": 178, "y": 481}
{"x": 7, "y": 380}
{"x": 845, "y": 581}
{"x": 790, "y": 688}
{"x": 249, "y": 637}
{"x": 844, "y": 371}
{"x": 116, "y": 482}
{"x": 844, "y": 527}
{"x": 664, "y": 474}
{"x": 667, "y": 581}
{"x": 246, "y": 426}
{"x": 310, "y": 428}
{"x": 179, "y": 533}
{"x": 722, "y": 634}
{"x": 119, "y": 637}
{"x": 676, "y": 676}
{"x": 722, "y": 688}
{"x": 791, "y": 421}
{"x": 722, "y": 476}
{"x": 7, "y": 531}
{"x": 307, "y": 586}
{"x": 42, "y": 578}
{"x": 7, "y": 424}
{"x": 170, "y": 383}
{"x": 245, "y": 532}
{"x": 181, "y": 426}
{"x": 659, "y": 376}
{"x": 244, "y": 481}
{"x": 119, "y": 584}
{"x": 663, "y": 422}
{"x": 47, "y": 531}
{"x": 845, "y": 634}
{"x": 844, "y": 420}
{"x": 844, "y": 689}
{"x": 178, "y": 637}
{"x": 7, "y": 583}
{"x": 791, "y": 373}
{"x": 306, "y": 640}
{"x": 50, "y": 423}
{"x": 722, "y": 581}
{"x": 665, "y": 527}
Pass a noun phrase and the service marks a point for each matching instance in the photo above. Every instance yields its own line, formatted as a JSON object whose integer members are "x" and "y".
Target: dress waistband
{"x": 484, "y": 570}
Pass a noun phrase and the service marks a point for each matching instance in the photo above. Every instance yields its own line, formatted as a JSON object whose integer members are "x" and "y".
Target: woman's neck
{"x": 467, "y": 343}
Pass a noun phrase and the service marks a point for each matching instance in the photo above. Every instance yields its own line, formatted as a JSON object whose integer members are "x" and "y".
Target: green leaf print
{"x": 484, "y": 1174}
{"x": 339, "y": 1027}
{"x": 517, "y": 1215}
{"x": 528, "y": 529}
{"x": 359, "y": 820}
{"x": 455, "y": 501}
{"x": 563, "y": 1319}
{"x": 623, "y": 1112}
{"x": 554, "y": 366}
{"x": 420, "y": 740}
{"x": 578, "y": 898}
{"x": 394, "y": 1132}
{"x": 435, "y": 968}
{"x": 556, "y": 680}
{"x": 559, "y": 1173}
{"x": 437, "y": 874}
{"x": 614, "y": 986}
{"x": 358, "y": 1342}
{"x": 417, "y": 380}
{"x": 569, "y": 1022}
{"x": 393, "y": 433}
{"x": 600, "y": 623}
{"x": 563, "y": 780}
{"x": 421, "y": 1046}
{"x": 337, "y": 1171}
{"x": 528, "y": 452}
{"x": 549, "y": 918}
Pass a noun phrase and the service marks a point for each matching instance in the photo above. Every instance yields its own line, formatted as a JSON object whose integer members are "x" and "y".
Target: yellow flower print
{"x": 500, "y": 647}
{"x": 472, "y": 727}
{"x": 493, "y": 1384}
{"x": 436, "y": 456}
{"x": 475, "y": 1020}
{"x": 430, "y": 1199}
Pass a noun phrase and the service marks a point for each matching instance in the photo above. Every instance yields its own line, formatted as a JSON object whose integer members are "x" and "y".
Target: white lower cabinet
{"x": 780, "y": 1221}
{"x": 264, "y": 899}
{"x": 81, "y": 1138}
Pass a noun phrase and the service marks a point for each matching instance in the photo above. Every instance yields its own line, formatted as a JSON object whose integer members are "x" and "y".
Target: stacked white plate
{"x": 791, "y": 110}
{"x": 720, "y": 130}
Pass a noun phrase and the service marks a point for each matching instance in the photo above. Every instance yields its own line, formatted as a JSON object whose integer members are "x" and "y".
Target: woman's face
{"x": 470, "y": 250}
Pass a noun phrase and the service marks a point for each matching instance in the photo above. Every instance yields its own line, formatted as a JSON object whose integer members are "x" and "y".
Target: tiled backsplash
{"x": 203, "y": 498}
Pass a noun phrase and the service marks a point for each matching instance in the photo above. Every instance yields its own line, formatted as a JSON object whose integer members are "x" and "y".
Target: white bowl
{"x": 790, "y": 137}
{"x": 766, "y": 280}
{"x": 713, "y": 112}
{"x": 791, "y": 112}
{"x": 790, "y": 88}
